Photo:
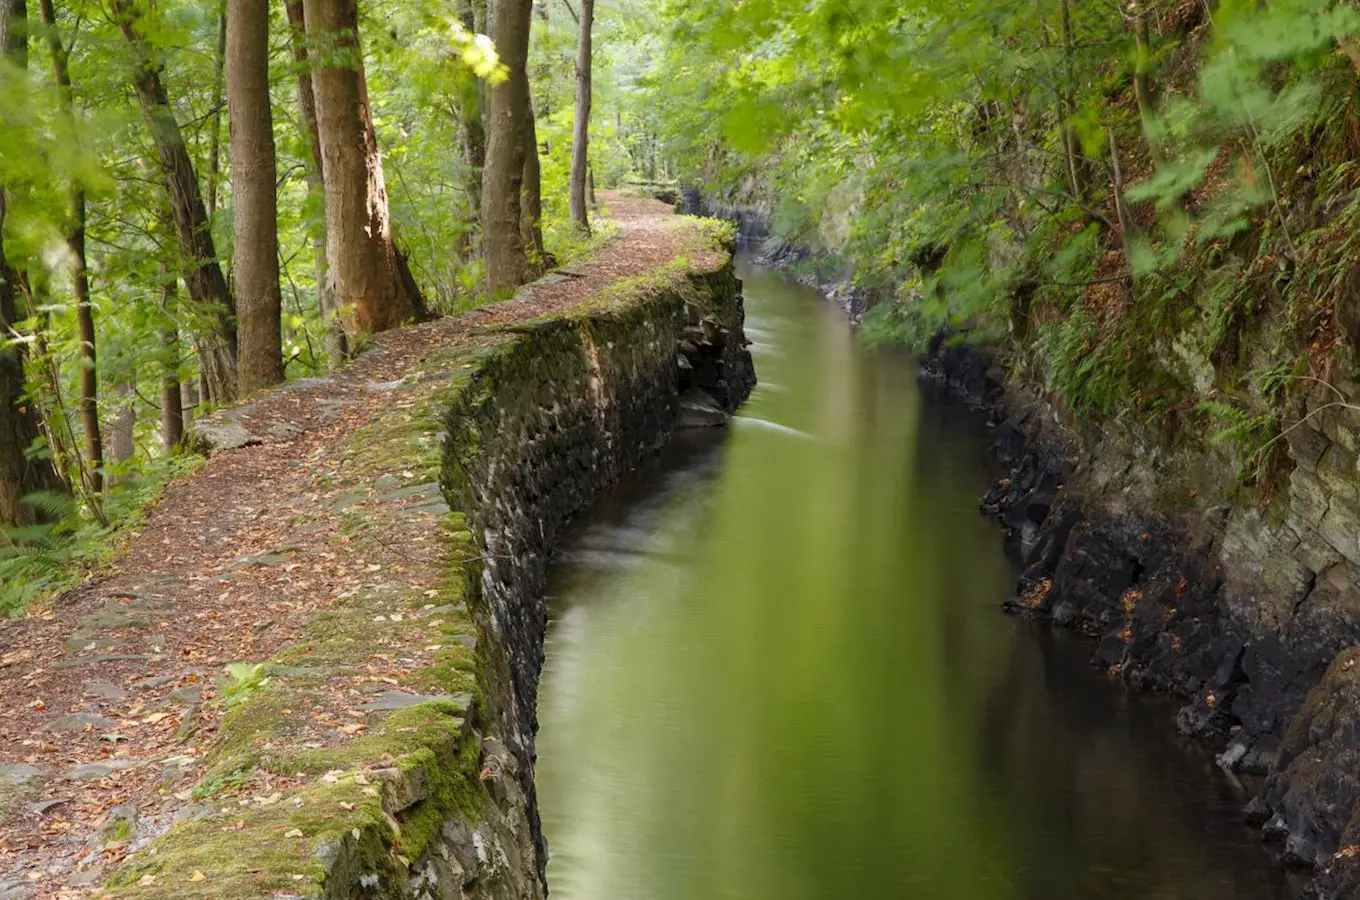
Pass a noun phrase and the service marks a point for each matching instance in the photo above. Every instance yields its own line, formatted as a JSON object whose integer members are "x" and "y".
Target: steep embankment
{"x": 370, "y": 548}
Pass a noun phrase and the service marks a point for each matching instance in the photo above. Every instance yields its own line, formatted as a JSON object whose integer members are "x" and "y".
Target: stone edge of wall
{"x": 540, "y": 418}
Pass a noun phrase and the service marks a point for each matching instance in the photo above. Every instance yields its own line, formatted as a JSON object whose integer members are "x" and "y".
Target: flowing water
{"x": 778, "y": 670}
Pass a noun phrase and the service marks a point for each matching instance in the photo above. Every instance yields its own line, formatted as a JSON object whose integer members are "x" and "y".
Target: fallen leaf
{"x": 155, "y": 717}
{"x": 147, "y": 880}
{"x": 198, "y": 876}
{"x": 293, "y": 832}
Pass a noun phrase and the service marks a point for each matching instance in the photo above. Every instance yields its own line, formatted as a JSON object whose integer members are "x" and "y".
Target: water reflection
{"x": 777, "y": 669}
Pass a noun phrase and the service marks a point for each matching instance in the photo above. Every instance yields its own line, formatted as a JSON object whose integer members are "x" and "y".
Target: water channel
{"x": 778, "y": 670}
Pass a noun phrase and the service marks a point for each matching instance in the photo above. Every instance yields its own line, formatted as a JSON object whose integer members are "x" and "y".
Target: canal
{"x": 778, "y": 670}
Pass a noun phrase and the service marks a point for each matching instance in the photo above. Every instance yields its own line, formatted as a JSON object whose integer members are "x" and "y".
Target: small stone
{"x": 92, "y": 660}
{"x": 43, "y": 806}
{"x": 387, "y": 483}
{"x": 105, "y": 690}
{"x": 82, "y": 721}
{"x": 188, "y": 695}
{"x": 149, "y": 683}
{"x": 388, "y": 700}
{"x": 102, "y": 769}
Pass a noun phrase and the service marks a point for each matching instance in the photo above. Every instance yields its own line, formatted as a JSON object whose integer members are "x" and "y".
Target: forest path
{"x": 112, "y": 693}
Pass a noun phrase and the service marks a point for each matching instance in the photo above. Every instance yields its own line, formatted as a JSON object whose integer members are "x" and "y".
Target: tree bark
{"x": 259, "y": 302}
{"x": 75, "y": 240}
{"x": 472, "y": 135}
{"x": 364, "y": 271}
{"x": 172, "y": 399}
{"x": 203, "y": 273}
{"x": 19, "y": 425}
{"x": 337, "y": 343}
{"x": 122, "y": 430}
{"x": 215, "y": 114}
{"x": 580, "y": 134}
{"x": 531, "y": 208}
{"x": 507, "y": 114}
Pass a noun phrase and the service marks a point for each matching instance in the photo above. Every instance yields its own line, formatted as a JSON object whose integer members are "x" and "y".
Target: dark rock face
{"x": 1166, "y": 614}
{"x": 554, "y": 416}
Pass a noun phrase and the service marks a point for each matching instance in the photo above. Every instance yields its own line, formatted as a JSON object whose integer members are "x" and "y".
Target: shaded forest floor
{"x": 114, "y": 693}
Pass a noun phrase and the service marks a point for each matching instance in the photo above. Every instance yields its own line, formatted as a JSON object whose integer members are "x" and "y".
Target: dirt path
{"x": 109, "y": 693}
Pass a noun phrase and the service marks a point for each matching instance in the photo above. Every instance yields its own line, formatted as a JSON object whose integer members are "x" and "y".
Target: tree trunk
{"x": 472, "y": 134}
{"x": 259, "y": 302}
{"x": 122, "y": 428}
{"x": 580, "y": 134}
{"x": 337, "y": 343}
{"x": 188, "y": 401}
{"x": 215, "y": 114}
{"x": 203, "y": 274}
{"x": 531, "y": 209}
{"x": 173, "y": 417}
{"x": 364, "y": 272}
{"x": 507, "y": 114}
{"x": 75, "y": 240}
{"x": 590, "y": 186}
{"x": 19, "y": 426}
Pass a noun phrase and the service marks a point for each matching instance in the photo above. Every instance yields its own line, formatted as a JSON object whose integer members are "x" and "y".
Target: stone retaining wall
{"x": 436, "y": 800}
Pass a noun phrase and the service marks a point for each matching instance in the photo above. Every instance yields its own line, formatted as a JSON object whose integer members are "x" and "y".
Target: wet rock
{"x": 698, "y": 409}
{"x": 1315, "y": 789}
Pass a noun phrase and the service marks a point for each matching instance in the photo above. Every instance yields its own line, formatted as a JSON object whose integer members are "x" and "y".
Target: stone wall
{"x": 512, "y": 433}
{"x": 551, "y": 420}
{"x": 1244, "y": 603}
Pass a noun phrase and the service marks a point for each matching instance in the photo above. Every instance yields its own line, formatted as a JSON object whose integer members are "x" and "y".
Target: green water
{"x": 778, "y": 669}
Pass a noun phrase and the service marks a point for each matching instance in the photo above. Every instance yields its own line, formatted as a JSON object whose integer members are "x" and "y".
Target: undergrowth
{"x": 39, "y": 561}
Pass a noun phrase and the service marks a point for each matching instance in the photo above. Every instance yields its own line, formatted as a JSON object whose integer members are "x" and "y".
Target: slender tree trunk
{"x": 364, "y": 272}
{"x": 259, "y": 302}
{"x": 188, "y": 401}
{"x": 75, "y": 240}
{"x": 122, "y": 430}
{"x": 507, "y": 119}
{"x": 203, "y": 273}
{"x": 19, "y": 424}
{"x": 531, "y": 208}
{"x": 590, "y": 186}
{"x": 215, "y": 117}
{"x": 172, "y": 399}
{"x": 337, "y": 343}
{"x": 580, "y": 134}
{"x": 472, "y": 135}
